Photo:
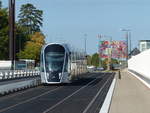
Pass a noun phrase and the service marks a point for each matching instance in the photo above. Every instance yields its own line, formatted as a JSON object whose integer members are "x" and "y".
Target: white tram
{"x": 60, "y": 63}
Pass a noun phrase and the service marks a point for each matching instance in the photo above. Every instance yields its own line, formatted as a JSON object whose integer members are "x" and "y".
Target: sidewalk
{"x": 130, "y": 95}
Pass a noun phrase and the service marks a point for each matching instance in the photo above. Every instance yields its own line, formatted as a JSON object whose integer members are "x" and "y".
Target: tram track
{"x": 46, "y": 111}
{"x": 28, "y": 93}
{"x": 47, "y": 101}
{"x": 96, "y": 96}
{"x": 83, "y": 99}
{"x": 29, "y": 96}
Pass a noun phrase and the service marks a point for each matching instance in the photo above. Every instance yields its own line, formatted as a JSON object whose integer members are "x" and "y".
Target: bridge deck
{"x": 85, "y": 95}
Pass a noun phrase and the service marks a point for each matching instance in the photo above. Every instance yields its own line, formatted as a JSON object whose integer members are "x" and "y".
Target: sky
{"x": 69, "y": 20}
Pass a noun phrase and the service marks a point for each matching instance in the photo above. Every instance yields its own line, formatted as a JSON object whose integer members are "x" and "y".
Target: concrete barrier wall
{"x": 19, "y": 85}
{"x": 141, "y": 64}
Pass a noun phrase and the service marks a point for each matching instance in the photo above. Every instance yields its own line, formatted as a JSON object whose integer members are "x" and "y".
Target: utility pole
{"x": 110, "y": 54}
{"x": 99, "y": 51}
{"x": 85, "y": 38}
{"x": 127, "y": 46}
{"x": 130, "y": 41}
{"x": 12, "y": 32}
{"x": 127, "y": 39}
{"x": 86, "y": 59}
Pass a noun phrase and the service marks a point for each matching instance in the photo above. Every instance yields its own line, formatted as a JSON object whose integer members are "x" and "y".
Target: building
{"x": 144, "y": 45}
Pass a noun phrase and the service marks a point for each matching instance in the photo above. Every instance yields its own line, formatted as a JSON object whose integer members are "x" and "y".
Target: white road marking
{"x": 106, "y": 104}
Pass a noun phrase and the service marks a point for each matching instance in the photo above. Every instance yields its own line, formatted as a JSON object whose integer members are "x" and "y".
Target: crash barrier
{"x": 11, "y": 74}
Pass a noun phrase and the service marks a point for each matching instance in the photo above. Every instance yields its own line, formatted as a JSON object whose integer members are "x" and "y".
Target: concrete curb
{"x": 106, "y": 105}
{"x": 13, "y": 87}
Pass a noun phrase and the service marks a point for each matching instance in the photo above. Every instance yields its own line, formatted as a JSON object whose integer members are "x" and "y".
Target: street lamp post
{"x": 86, "y": 59}
{"x": 12, "y": 32}
{"x": 127, "y": 51}
{"x": 85, "y": 39}
{"x": 130, "y": 41}
{"x": 127, "y": 39}
{"x": 99, "y": 47}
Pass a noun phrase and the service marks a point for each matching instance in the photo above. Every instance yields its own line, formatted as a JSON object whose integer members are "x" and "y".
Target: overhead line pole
{"x": 130, "y": 41}
{"x": 12, "y": 32}
{"x": 127, "y": 45}
{"x": 127, "y": 36}
{"x": 99, "y": 51}
{"x": 85, "y": 39}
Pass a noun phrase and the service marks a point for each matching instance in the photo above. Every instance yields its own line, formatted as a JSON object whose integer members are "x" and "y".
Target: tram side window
{"x": 73, "y": 57}
{"x": 66, "y": 64}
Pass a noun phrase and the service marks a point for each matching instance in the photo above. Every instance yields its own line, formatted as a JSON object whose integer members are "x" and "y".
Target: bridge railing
{"x": 9, "y": 74}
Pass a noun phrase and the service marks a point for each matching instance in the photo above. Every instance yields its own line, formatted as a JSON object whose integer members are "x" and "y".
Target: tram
{"x": 60, "y": 63}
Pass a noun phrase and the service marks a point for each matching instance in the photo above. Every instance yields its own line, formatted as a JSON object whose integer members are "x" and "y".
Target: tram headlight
{"x": 60, "y": 75}
{"x": 47, "y": 74}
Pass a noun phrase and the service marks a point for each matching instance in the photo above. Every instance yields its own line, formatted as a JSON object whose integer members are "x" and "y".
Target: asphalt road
{"x": 85, "y": 95}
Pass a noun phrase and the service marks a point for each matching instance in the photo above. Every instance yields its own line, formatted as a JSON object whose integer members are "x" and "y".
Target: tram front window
{"x": 54, "y": 61}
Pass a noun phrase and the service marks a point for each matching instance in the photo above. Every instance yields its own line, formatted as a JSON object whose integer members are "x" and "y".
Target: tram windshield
{"x": 54, "y": 61}
{"x": 54, "y": 58}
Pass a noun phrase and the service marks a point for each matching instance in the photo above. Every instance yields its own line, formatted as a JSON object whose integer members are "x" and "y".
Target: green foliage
{"x": 114, "y": 61}
{"x": 33, "y": 47}
{"x": 30, "y": 18}
{"x": 4, "y": 34}
{"x": 104, "y": 63}
{"x": 95, "y": 60}
{"x": 3, "y": 18}
{"x": 28, "y": 42}
{"x": 0, "y": 4}
{"x": 89, "y": 60}
{"x": 21, "y": 38}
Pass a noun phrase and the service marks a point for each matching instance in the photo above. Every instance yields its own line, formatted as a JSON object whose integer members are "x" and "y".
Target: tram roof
{"x": 67, "y": 47}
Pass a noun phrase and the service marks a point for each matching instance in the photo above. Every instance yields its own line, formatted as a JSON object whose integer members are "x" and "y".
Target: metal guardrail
{"x": 11, "y": 74}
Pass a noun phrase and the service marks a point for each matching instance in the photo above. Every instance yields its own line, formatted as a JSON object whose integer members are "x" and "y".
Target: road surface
{"x": 85, "y": 95}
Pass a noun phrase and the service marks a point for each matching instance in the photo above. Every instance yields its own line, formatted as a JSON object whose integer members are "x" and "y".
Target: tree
{"x": 4, "y": 33}
{"x": 31, "y": 18}
{"x": 114, "y": 61}
{"x": 104, "y": 63}
{"x": 21, "y": 38}
{"x": 89, "y": 60}
{"x": 95, "y": 60}
{"x": 33, "y": 47}
{"x": 0, "y": 4}
{"x": 3, "y": 18}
